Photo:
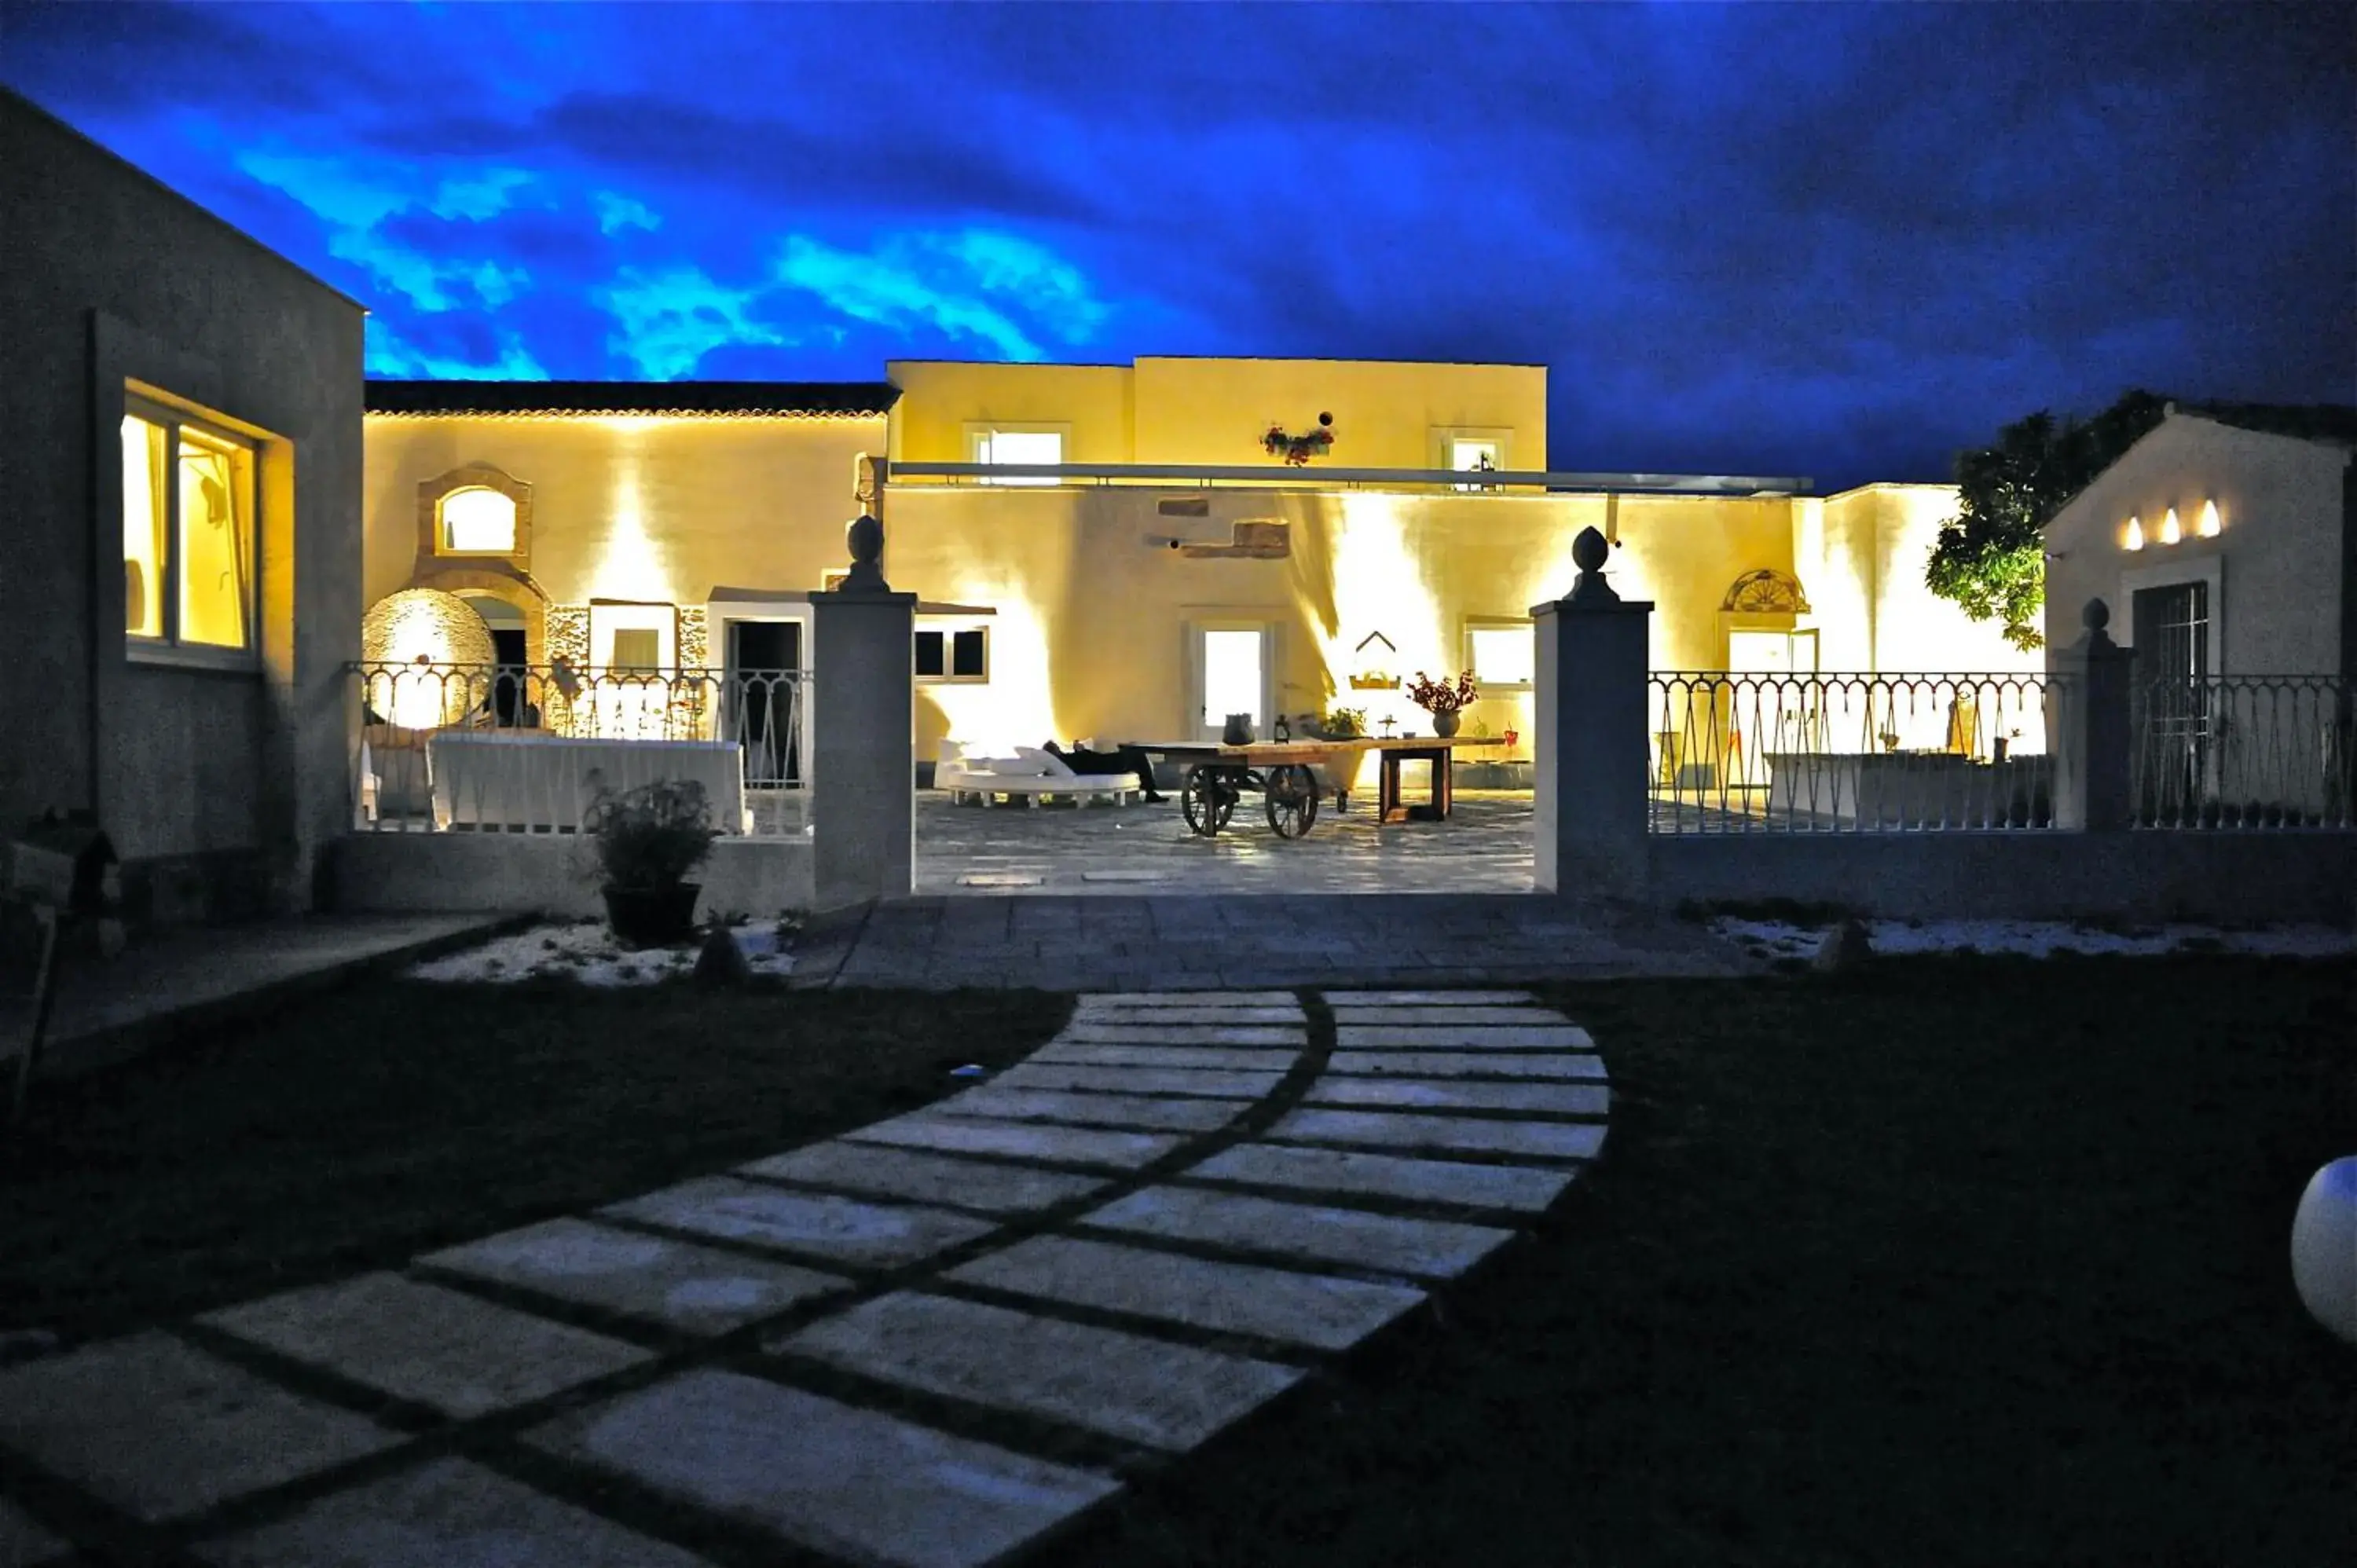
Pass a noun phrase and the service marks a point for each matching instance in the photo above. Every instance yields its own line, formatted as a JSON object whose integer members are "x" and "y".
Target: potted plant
{"x": 1343, "y": 723}
{"x": 649, "y": 839}
{"x": 1444, "y": 700}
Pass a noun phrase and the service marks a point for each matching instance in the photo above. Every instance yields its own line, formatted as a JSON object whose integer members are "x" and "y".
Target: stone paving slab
{"x": 22, "y": 1544}
{"x": 1466, "y": 1015}
{"x": 1340, "y": 999}
{"x": 1556, "y": 1037}
{"x": 1125, "y": 1385}
{"x": 159, "y": 1429}
{"x": 1021, "y": 1140}
{"x": 1142, "y": 1081}
{"x": 1521, "y": 1189}
{"x": 879, "y": 1235}
{"x": 1316, "y": 1310}
{"x": 1089, "y": 1031}
{"x": 1015, "y": 1104}
{"x": 420, "y": 1342}
{"x": 1204, "y": 998}
{"x": 1292, "y": 1231}
{"x": 1535, "y": 1099}
{"x": 1534, "y": 1139}
{"x": 697, "y": 1290}
{"x": 1138, "y": 1014}
{"x": 873, "y": 1168}
{"x": 831, "y": 1477}
{"x": 1061, "y": 1055}
{"x": 445, "y": 1514}
{"x": 1468, "y": 1064}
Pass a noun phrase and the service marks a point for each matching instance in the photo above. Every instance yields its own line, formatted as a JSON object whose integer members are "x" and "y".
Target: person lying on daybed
{"x": 1123, "y": 759}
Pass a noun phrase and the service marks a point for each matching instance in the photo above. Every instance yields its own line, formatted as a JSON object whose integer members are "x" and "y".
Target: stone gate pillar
{"x": 862, "y": 772}
{"x": 1591, "y": 807}
{"x": 2092, "y": 681}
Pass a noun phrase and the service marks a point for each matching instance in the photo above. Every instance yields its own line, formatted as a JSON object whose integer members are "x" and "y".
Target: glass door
{"x": 1231, "y": 668}
{"x": 760, "y": 699}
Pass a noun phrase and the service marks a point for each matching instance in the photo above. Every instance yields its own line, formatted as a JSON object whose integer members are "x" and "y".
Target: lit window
{"x": 636, "y": 647}
{"x": 188, "y": 533}
{"x": 948, "y": 654}
{"x": 1501, "y": 655}
{"x": 478, "y": 522}
{"x": 1026, "y": 447}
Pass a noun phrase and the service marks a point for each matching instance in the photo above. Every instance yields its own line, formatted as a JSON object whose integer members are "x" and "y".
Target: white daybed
{"x": 1030, "y": 774}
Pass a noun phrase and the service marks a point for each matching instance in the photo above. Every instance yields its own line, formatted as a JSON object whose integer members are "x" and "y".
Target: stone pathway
{"x": 929, "y": 1342}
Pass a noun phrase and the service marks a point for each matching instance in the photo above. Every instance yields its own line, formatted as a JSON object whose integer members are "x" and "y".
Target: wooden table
{"x": 1219, "y": 776}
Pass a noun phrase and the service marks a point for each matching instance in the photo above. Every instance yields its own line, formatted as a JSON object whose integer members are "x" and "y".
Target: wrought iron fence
{"x": 1837, "y": 753}
{"x": 2244, "y": 751}
{"x": 524, "y": 749}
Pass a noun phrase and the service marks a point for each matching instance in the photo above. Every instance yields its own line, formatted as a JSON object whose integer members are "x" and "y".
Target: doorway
{"x": 1234, "y": 674}
{"x": 510, "y": 676}
{"x": 760, "y": 700}
{"x": 2171, "y": 628}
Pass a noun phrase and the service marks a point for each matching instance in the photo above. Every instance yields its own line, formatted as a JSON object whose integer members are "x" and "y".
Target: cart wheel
{"x": 1206, "y": 800}
{"x": 1292, "y": 798}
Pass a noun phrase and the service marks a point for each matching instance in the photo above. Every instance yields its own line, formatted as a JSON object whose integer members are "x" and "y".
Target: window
{"x": 187, "y": 533}
{"x": 995, "y": 445}
{"x": 637, "y": 647}
{"x": 1501, "y": 653}
{"x": 478, "y": 520}
{"x": 948, "y": 654}
{"x": 1471, "y": 451}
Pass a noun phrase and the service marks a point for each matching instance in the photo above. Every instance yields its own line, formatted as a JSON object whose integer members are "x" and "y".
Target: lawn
{"x": 1954, "y": 1262}
{"x": 354, "y": 1129}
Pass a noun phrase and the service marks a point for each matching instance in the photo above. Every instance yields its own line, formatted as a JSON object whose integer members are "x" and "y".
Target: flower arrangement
{"x": 1442, "y": 696}
{"x": 1298, "y": 450}
{"x": 1344, "y": 724}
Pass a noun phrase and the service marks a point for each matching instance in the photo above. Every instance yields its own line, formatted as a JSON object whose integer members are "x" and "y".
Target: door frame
{"x": 1271, "y": 632}
{"x": 716, "y": 617}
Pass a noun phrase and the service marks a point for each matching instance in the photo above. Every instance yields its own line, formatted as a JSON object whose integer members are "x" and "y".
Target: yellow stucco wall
{"x": 938, "y": 398}
{"x": 1167, "y": 410}
{"x": 635, "y": 508}
{"x": 2275, "y": 566}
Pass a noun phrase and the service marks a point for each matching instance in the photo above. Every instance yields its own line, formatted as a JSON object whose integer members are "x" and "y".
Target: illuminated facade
{"x": 2231, "y": 535}
{"x": 1123, "y": 552}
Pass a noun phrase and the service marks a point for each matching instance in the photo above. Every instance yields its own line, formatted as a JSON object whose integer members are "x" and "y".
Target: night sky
{"x": 1824, "y": 240}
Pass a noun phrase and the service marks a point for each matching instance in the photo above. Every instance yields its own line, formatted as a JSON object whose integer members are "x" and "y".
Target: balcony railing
{"x": 1836, "y": 753}
{"x": 524, "y": 749}
{"x": 2244, "y": 751}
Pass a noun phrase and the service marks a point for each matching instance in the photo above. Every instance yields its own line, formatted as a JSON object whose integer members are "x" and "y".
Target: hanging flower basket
{"x": 1296, "y": 450}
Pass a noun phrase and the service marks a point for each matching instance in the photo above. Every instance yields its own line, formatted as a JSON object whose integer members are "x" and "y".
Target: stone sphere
{"x": 2324, "y": 1248}
{"x": 2097, "y": 616}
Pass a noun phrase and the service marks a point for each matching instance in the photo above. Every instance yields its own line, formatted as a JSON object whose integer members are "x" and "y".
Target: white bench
{"x": 1028, "y": 775}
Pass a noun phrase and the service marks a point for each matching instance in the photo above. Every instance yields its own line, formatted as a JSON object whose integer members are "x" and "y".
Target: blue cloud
{"x": 671, "y": 319}
{"x": 617, "y": 212}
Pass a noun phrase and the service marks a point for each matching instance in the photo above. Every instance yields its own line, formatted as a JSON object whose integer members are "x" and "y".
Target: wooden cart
{"x": 1219, "y": 777}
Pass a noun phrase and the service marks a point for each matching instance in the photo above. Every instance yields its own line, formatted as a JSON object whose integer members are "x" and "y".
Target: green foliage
{"x": 1344, "y": 724}
{"x": 1991, "y": 557}
{"x": 651, "y": 836}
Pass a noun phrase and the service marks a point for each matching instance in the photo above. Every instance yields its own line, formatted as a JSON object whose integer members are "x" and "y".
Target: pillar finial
{"x": 864, "y": 539}
{"x": 1588, "y": 552}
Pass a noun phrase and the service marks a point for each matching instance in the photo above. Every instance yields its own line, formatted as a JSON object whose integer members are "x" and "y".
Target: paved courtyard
{"x": 1109, "y": 851}
{"x": 928, "y": 1342}
{"x": 1179, "y": 942}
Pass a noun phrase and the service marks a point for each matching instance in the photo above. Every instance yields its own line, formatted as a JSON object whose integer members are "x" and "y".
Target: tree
{"x": 1991, "y": 556}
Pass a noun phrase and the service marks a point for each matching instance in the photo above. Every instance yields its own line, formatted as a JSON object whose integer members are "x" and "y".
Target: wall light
{"x": 2207, "y": 527}
{"x": 2169, "y": 532}
{"x": 2134, "y": 538}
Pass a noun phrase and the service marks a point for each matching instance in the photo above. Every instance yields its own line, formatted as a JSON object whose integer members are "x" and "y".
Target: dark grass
{"x": 351, "y": 1130}
{"x": 1952, "y": 1262}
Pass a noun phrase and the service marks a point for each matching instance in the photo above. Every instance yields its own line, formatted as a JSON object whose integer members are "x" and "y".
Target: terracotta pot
{"x": 653, "y": 916}
{"x": 1444, "y": 725}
